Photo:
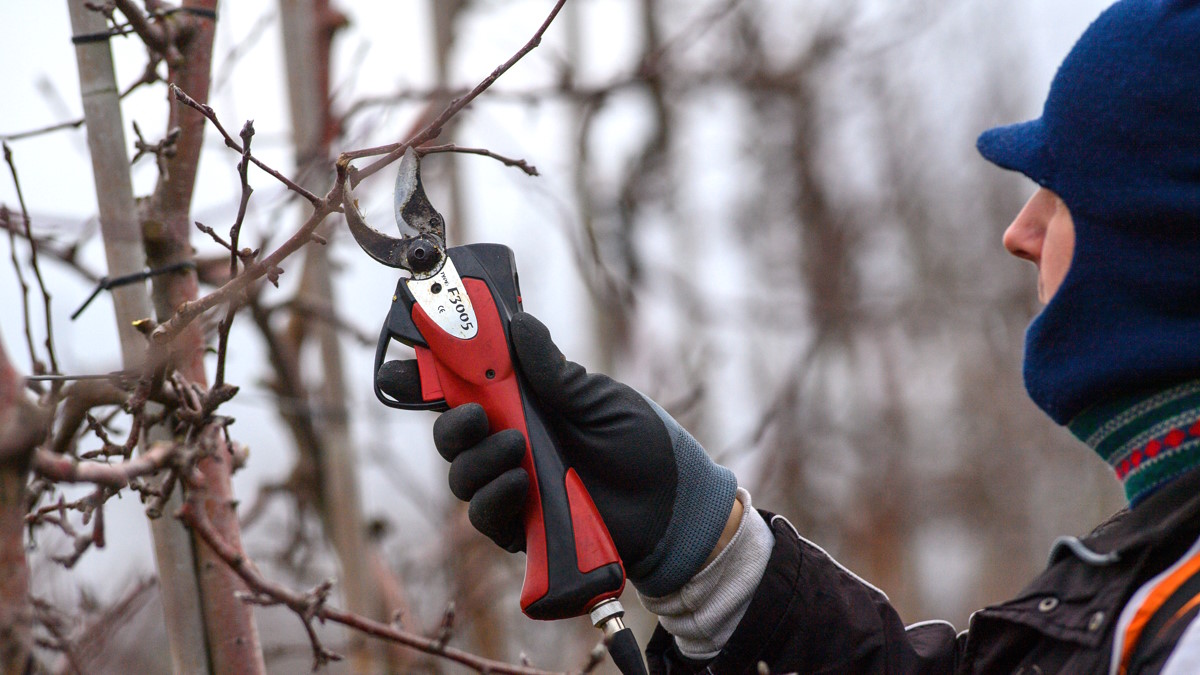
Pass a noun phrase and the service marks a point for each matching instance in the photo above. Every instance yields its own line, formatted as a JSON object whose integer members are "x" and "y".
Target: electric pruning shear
{"x": 454, "y": 311}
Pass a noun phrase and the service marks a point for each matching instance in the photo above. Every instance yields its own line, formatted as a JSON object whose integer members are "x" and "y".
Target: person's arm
{"x": 809, "y": 614}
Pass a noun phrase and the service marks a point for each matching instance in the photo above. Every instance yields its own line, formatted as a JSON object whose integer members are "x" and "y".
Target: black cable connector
{"x": 625, "y": 652}
{"x": 622, "y": 645}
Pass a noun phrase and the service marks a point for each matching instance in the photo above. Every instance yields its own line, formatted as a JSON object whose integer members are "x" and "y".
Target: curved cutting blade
{"x": 415, "y": 216}
{"x": 420, "y": 249}
{"x": 382, "y": 248}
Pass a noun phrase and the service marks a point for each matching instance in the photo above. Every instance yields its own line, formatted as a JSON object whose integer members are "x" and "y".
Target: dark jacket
{"x": 811, "y": 615}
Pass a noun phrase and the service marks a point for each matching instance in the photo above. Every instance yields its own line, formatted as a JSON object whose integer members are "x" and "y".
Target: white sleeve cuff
{"x": 704, "y": 613}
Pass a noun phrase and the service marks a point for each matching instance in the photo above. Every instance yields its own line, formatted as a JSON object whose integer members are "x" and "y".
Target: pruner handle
{"x": 572, "y": 564}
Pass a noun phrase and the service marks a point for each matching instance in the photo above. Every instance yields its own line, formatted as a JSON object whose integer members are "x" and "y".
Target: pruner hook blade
{"x": 420, "y": 249}
{"x": 414, "y": 213}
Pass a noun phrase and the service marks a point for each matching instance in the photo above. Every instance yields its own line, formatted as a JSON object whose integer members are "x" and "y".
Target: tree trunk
{"x": 126, "y": 254}
{"x": 20, "y": 422}
{"x": 15, "y": 614}
{"x": 232, "y": 635}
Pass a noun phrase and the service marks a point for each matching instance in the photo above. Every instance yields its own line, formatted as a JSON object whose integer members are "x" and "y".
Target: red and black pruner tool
{"x": 454, "y": 311}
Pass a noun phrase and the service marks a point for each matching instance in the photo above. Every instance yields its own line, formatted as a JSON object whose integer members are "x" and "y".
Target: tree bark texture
{"x": 21, "y": 427}
{"x": 125, "y": 254}
{"x": 15, "y": 612}
{"x": 233, "y": 642}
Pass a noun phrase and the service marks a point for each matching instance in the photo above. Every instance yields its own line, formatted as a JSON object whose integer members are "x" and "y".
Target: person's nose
{"x": 1027, "y": 232}
{"x": 1024, "y": 240}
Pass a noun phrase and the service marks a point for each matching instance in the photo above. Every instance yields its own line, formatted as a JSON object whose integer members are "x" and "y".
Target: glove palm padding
{"x": 663, "y": 500}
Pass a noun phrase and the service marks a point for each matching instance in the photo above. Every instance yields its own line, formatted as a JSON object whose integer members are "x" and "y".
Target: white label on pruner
{"x": 445, "y": 300}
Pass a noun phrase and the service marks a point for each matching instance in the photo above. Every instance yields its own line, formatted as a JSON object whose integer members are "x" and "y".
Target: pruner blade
{"x": 413, "y": 210}
{"x": 420, "y": 248}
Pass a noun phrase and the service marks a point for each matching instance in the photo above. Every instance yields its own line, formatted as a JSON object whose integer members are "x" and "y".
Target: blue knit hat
{"x": 1119, "y": 141}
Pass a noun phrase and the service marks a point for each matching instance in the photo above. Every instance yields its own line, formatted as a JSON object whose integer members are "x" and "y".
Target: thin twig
{"x": 160, "y": 150}
{"x": 434, "y": 128}
{"x": 149, "y": 76}
{"x": 37, "y": 272}
{"x": 20, "y": 135}
{"x": 207, "y": 111}
{"x": 235, "y": 256}
{"x": 38, "y": 366}
{"x": 578, "y": 93}
{"x": 92, "y": 509}
{"x": 507, "y": 161}
{"x": 99, "y": 628}
{"x": 114, "y": 376}
{"x": 34, "y": 263}
{"x": 54, "y": 623}
{"x": 445, "y": 629}
{"x": 78, "y": 399}
{"x": 65, "y": 253}
{"x": 310, "y": 606}
{"x": 690, "y": 34}
{"x": 267, "y": 266}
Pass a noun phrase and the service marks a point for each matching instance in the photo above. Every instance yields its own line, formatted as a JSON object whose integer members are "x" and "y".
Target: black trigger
{"x": 401, "y": 380}
{"x": 399, "y": 323}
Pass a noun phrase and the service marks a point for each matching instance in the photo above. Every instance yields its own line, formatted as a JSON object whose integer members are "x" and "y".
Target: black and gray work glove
{"x": 663, "y": 500}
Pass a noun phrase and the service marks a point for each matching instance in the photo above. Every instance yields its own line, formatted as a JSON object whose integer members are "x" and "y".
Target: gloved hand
{"x": 663, "y": 500}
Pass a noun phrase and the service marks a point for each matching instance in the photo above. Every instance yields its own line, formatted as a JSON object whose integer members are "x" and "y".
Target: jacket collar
{"x": 1174, "y": 507}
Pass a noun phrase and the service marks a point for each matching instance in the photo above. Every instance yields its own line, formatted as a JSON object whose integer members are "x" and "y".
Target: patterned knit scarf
{"x": 1148, "y": 440}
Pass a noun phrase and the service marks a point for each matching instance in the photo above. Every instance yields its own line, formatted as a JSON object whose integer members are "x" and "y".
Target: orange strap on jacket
{"x": 1159, "y": 596}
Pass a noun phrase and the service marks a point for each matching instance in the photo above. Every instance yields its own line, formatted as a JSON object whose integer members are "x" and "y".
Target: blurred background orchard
{"x": 768, "y": 216}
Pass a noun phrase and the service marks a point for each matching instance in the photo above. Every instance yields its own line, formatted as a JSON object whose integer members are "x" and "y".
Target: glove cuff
{"x": 704, "y": 493}
{"x": 705, "y": 612}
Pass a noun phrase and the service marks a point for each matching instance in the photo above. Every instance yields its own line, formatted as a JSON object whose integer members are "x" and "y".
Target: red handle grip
{"x": 572, "y": 563}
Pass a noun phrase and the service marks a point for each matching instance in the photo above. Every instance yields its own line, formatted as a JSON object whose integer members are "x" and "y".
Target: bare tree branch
{"x": 266, "y": 267}
{"x": 149, "y": 76}
{"x": 431, "y": 131}
{"x": 60, "y": 126}
{"x": 154, "y": 35}
{"x": 235, "y": 256}
{"x": 19, "y": 422}
{"x": 521, "y": 164}
{"x": 116, "y": 476}
{"x": 33, "y": 261}
{"x": 65, "y": 253}
{"x": 207, "y": 111}
{"x": 312, "y": 605}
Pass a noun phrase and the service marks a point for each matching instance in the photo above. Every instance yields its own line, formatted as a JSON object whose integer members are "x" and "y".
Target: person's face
{"x": 1044, "y": 234}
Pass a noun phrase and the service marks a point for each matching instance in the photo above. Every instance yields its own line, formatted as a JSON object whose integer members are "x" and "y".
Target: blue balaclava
{"x": 1119, "y": 142}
